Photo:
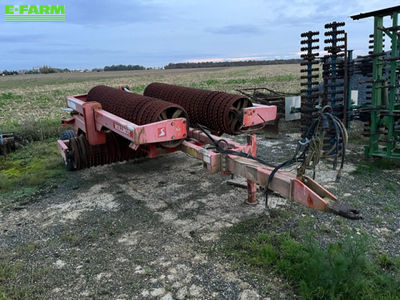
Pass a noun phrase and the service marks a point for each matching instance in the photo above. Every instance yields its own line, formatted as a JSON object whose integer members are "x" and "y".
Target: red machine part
{"x": 136, "y": 108}
{"x": 90, "y": 118}
{"x": 218, "y": 111}
{"x": 79, "y": 154}
{"x": 303, "y": 190}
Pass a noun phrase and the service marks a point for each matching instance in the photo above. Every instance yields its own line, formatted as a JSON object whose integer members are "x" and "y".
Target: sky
{"x": 154, "y": 33}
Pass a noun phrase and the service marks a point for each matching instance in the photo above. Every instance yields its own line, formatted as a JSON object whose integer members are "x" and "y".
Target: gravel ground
{"x": 148, "y": 229}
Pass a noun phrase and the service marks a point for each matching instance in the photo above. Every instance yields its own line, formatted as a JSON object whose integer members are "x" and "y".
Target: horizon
{"x": 148, "y": 68}
{"x": 154, "y": 33}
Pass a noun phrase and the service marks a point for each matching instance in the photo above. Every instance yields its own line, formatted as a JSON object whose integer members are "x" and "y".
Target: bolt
{"x": 172, "y": 123}
{"x": 172, "y": 137}
{"x": 184, "y": 135}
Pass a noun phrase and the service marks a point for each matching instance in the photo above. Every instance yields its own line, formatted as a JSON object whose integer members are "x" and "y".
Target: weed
{"x": 75, "y": 240}
{"x": 212, "y": 82}
{"x": 325, "y": 228}
{"x": 147, "y": 271}
{"x": 70, "y": 237}
{"x": 385, "y": 261}
{"x": 138, "y": 88}
{"x": 27, "y": 248}
{"x": 390, "y": 207}
{"x": 390, "y": 187}
{"x": 9, "y": 273}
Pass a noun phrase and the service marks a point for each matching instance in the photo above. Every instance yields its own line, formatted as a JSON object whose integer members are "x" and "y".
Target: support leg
{"x": 251, "y": 185}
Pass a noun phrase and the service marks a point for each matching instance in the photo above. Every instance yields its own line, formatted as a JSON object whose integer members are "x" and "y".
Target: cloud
{"x": 235, "y": 29}
{"x": 21, "y": 38}
{"x": 62, "y": 51}
{"x": 156, "y": 32}
{"x": 320, "y": 52}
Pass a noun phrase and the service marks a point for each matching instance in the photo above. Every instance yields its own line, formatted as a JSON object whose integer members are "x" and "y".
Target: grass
{"x": 23, "y": 172}
{"x": 345, "y": 269}
{"x": 10, "y": 272}
{"x": 376, "y": 165}
{"x": 30, "y": 166}
{"x": 36, "y": 161}
{"x": 31, "y": 130}
{"x": 9, "y": 97}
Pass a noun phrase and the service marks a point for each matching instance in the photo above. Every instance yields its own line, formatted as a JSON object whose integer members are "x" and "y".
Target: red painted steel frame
{"x": 91, "y": 119}
{"x": 258, "y": 114}
{"x": 302, "y": 190}
{"x": 62, "y": 148}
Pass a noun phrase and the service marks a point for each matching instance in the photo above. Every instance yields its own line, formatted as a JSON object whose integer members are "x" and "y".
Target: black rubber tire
{"x": 67, "y": 134}
{"x": 69, "y": 164}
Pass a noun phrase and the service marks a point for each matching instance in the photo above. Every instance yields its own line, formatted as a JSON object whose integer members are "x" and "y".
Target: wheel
{"x": 67, "y": 134}
{"x": 69, "y": 164}
{"x": 172, "y": 114}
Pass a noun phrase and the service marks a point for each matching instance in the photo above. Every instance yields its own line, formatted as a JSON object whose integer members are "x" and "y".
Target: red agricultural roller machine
{"x": 111, "y": 125}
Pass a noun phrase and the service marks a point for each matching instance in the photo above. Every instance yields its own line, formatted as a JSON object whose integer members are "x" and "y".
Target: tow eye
{"x": 344, "y": 210}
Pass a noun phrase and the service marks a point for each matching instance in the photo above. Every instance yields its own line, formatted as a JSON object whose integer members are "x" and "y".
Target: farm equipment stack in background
{"x": 384, "y": 106}
{"x": 310, "y": 76}
{"x": 365, "y": 88}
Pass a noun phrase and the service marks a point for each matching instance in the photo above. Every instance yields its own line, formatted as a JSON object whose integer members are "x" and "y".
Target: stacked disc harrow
{"x": 363, "y": 68}
{"x": 335, "y": 70}
{"x": 382, "y": 104}
{"x": 220, "y": 112}
{"x": 310, "y": 90}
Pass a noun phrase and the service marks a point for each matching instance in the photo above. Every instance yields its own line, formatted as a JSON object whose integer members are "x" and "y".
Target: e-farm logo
{"x": 34, "y": 13}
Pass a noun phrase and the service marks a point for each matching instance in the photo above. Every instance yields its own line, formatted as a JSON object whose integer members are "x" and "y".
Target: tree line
{"x": 211, "y": 64}
{"x": 48, "y": 69}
